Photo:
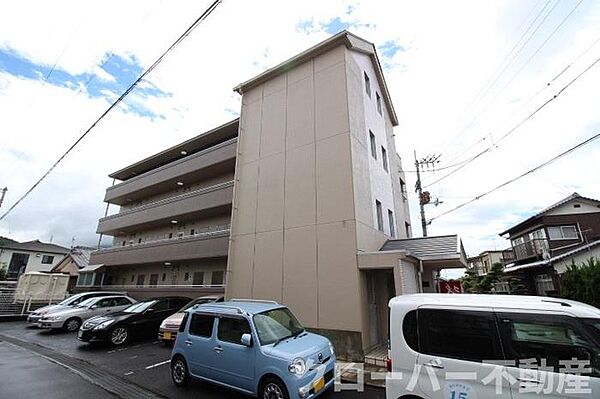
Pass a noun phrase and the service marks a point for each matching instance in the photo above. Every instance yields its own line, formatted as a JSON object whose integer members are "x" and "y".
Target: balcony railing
{"x": 533, "y": 249}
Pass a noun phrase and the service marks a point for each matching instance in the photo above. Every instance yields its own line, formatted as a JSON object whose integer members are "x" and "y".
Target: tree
{"x": 471, "y": 281}
{"x": 581, "y": 282}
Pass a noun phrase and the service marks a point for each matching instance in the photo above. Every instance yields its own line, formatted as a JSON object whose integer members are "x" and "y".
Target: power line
{"x": 531, "y": 115}
{"x": 530, "y": 171}
{"x": 189, "y": 30}
{"x": 531, "y": 98}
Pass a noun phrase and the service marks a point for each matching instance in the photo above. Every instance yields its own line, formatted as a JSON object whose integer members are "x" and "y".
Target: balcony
{"x": 211, "y": 244}
{"x": 213, "y": 161}
{"x": 190, "y": 205}
{"x": 534, "y": 250}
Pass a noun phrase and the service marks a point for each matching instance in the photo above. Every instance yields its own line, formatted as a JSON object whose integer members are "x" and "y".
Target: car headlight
{"x": 332, "y": 349}
{"x": 103, "y": 325}
{"x": 54, "y": 318}
{"x": 163, "y": 324}
{"x": 297, "y": 366}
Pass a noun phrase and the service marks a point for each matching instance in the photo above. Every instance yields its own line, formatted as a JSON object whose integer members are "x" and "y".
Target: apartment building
{"x": 171, "y": 233}
{"x": 302, "y": 200}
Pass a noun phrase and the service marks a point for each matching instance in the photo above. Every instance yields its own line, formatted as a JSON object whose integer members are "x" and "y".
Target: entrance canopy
{"x": 440, "y": 251}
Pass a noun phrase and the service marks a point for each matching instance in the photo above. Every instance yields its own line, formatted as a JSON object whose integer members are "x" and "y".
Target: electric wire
{"x": 201, "y": 18}
{"x": 530, "y": 171}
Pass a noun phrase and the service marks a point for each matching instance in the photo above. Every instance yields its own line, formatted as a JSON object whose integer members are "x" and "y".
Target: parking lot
{"x": 137, "y": 369}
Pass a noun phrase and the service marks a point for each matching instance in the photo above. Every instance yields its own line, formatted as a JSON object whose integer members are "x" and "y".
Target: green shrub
{"x": 582, "y": 282}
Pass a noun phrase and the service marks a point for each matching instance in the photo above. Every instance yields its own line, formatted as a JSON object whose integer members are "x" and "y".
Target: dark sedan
{"x": 140, "y": 319}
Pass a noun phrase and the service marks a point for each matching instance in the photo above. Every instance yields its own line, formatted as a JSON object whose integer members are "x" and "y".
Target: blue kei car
{"x": 255, "y": 347}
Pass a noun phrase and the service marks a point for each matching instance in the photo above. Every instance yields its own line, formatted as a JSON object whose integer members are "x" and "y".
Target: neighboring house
{"x": 77, "y": 258}
{"x": 483, "y": 262}
{"x": 31, "y": 256}
{"x": 543, "y": 245}
{"x": 302, "y": 200}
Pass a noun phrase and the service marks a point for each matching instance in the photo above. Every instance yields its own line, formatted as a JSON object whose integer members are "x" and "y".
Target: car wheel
{"x": 273, "y": 388}
{"x": 179, "y": 372}
{"x": 72, "y": 324}
{"x": 118, "y": 335}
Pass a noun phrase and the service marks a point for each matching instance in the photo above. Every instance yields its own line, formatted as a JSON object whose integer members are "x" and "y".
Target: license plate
{"x": 166, "y": 335}
{"x": 319, "y": 384}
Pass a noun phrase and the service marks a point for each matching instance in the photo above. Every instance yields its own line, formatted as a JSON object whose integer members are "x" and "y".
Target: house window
{"x": 153, "y": 280}
{"x": 217, "y": 278}
{"x": 198, "y": 278}
{"x": 379, "y": 215}
{"x": 373, "y": 145}
{"x": 392, "y": 224}
{"x": 563, "y": 233}
{"x": 368, "y": 85}
{"x": 378, "y": 103}
{"x": 47, "y": 259}
{"x": 384, "y": 159}
{"x": 140, "y": 280}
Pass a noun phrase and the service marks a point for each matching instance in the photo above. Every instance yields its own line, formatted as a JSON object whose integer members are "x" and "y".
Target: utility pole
{"x": 424, "y": 196}
{"x": 4, "y": 190}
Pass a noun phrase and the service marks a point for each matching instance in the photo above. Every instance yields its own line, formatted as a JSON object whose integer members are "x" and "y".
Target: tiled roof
{"x": 563, "y": 201}
{"x": 35, "y": 246}
{"x": 81, "y": 256}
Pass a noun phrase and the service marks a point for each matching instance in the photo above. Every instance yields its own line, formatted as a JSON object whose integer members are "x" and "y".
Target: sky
{"x": 461, "y": 75}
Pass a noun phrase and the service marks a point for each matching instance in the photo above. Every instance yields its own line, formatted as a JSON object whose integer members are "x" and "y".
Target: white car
{"x": 70, "y": 319}
{"x": 66, "y": 303}
{"x": 445, "y": 346}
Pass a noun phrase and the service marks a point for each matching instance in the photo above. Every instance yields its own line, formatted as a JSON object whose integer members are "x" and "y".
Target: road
{"x": 141, "y": 366}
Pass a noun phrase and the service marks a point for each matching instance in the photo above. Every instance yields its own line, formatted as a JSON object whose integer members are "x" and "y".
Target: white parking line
{"x": 157, "y": 364}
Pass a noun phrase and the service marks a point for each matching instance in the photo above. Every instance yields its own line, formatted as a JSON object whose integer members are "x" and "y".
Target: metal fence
{"x": 10, "y": 306}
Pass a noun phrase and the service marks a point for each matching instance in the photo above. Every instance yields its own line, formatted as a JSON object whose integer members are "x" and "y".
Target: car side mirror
{"x": 246, "y": 340}
{"x": 94, "y": 307}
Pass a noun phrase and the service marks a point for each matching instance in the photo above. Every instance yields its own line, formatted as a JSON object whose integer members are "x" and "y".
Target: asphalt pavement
{"x": 142, "y": 364}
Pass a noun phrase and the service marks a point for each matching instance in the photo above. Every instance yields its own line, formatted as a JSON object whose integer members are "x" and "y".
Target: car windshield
{"x": 70, "y": 301}
{"x": 87, "y": 303}
{"x": 277, "y": 324}
{"x": 197, "y": 301}
{"x": 139, "y": 307}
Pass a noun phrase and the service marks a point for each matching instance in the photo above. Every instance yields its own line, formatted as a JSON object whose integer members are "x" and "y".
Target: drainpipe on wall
{"x": 420, "y": 275}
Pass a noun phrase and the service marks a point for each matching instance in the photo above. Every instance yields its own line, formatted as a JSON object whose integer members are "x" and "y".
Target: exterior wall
{"x": 294, "y": 228}
{"x": 580, "y": 258}
{"x": 34, "y": 263}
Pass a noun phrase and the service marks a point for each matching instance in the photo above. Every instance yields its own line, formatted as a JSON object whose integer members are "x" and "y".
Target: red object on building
{"x": 450, "y": 287}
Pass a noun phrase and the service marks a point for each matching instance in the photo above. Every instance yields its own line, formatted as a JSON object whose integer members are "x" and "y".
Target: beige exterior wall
{"x": 306, "y": 184}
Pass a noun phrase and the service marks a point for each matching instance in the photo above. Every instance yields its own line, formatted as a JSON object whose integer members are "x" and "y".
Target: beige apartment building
{"x": 302, "y": 200}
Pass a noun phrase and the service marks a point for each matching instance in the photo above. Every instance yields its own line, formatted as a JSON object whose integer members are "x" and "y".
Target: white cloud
{"x": 450, "y": 51}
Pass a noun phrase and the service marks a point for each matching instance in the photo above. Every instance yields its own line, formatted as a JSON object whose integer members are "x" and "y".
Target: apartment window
{"x": 198, "y": 278}
{"x": 140, "y": 280}
{"x": 164, "y": 276}
{"x": 132, "y": 278}
{"x": 392, "y": 224}
{"x": 407, "y": 228}
{"x": 563, "y": 233}
{"x": 368, "y": 85}
{"x": 153, "y": 280}
{"x": 47, "y": 259}
{"x": 373, "y": 145}
{"x": 378, "y": 103}
{"x": 186, "y": 277}
{"x": 403, "y": 189}
{"x": 384, "y": 159}
{"x": 124, "y": 243}
{"x": 217, "y": 278}
{"x": 139, "y": 240}
{"x": 192, "y": 231}
{"x": 379, "y": 215}
{"x": 170, "y": 235}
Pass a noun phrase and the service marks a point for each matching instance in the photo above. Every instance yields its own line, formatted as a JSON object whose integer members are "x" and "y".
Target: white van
{"x": 464, "y": 346}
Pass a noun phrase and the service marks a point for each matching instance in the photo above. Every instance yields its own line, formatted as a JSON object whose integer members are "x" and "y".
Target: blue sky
{"x": 122, "y": 73}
